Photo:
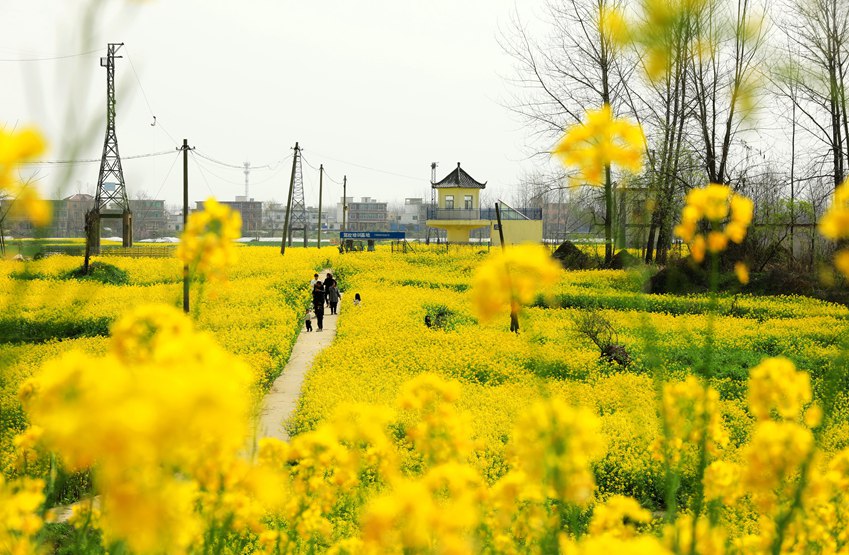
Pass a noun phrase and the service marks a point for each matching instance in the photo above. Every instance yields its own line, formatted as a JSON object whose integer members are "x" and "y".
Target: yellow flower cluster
{"x": 20, "y": 501}
{"x": 618, "y": 516}
{"x": 834, "y": 225}
{"x": 150, "y": 414}
{"x": 662, "y": 26}
{"x": 775, "y": 386}
{"x": 206, "y": 244}
{"x": 513, "y": 277}
{"x": 17, "y": 147}
{"x": 600, "y": 142}
{"x": 690, "y": 409}
{"x": 714, "y": 203}
{"x": 554, "y": 444}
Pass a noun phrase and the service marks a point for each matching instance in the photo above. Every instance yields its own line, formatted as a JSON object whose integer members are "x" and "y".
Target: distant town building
{"x": 173, "y": 223}
{"x": 367, "y": 214}
{"x": 249, "y": 209}
{"x": 149, "y": 219}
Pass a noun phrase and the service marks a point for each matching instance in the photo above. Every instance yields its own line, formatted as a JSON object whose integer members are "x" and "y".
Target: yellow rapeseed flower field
{"x": 447, "y": 436}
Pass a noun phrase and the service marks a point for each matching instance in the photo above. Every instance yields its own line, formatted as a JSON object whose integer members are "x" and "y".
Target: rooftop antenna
{"x": 247, "y": 173}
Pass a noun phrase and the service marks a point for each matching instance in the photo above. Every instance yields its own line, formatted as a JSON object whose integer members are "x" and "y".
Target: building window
{"x": 467, "y": 202}
{"x": 449, "y": 202}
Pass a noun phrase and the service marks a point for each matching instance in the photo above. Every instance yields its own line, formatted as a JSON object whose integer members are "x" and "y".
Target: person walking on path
{"x": 313, "y": 280}
{"x": 332, "y": 297}
{"x": 318, "y": 300}
{"x": 327, "y": 281}
{"x": 308, "y": 320}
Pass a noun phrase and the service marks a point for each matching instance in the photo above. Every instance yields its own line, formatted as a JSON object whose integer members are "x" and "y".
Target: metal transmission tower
{"x": 296, "y": 210}
{"x": 298, "y": 219}
{"x": 111, "y": 199}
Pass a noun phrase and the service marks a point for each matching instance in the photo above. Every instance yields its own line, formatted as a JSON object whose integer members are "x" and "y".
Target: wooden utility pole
{"x": 185, "y": 150}
{"x": 345, "y": 203}
{"x": 289, "y": 202}
{"x": 514, "y": 310}
{"x": 320, "y": 192}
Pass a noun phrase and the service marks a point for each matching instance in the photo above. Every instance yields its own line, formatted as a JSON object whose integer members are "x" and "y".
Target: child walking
{"x": 308, "y": 320}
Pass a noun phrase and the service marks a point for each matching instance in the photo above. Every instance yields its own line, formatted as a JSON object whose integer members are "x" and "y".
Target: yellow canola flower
{"x": 776, "y": 385}
{"x": 206, "y": 244}
{"x": 834, "y": 225}
{"x": 722, "y": 482}
{"x": 515, "y": 276}
{"x": 656, "y": 32}
{"x": 775, "y": 454}
{"x": 15, "y": 148}
{"x": 555, "y": 444}
{"x": 117, "y": 414}
{"x": 606, "y": 544}
{"x": 599, "y": 142}
{"x": 688, "y": 409}
{"x": 617, "y": 516}
{"x": 742, "y": 272}
{"x": 437, "y": 513}
{"x": 19, "y": 521}
{"x": 714, "y": 204}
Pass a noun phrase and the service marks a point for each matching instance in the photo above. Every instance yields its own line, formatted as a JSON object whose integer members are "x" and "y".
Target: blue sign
{"x": 372, "y": 235}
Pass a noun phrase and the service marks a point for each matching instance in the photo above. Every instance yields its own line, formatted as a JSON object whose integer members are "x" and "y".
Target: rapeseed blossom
{"x": 714, "y": 204}
{"x": 206, "y": 244}
{"x": 662, "y": 26}
{"x": 17, "y": 147}
{"x": 513, "y": 277}
{"x": 554, "y": 444}
{"x": 117, "y": 415}
{"x": 600, "y": 142}
{"x": 19, "y": 520}
{"x": 690, "y": 408}
{"x": 834, "y": 225}
{"x": 776, "y": 387}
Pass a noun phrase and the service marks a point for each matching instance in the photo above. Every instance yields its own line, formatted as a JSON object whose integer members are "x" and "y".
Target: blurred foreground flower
{"x": 512, "y": 277}
{"x": 714, "y": 203}
{"x": 599, "y": 142}
{"x": 150, "y": 417}
{"x": 834, "y": 225}
{"x": 17, "y": 147}
{"x": 661, "y": 27}
{"x": 206, "y": 245}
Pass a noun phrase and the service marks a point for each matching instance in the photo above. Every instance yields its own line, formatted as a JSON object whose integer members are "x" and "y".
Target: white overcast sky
{"x": 386, "y": 84}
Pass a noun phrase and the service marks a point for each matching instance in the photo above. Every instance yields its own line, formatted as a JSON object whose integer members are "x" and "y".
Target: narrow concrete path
{"x": 282, "y": 399}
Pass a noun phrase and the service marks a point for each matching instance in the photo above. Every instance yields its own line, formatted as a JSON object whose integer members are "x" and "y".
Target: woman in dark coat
{"x": 318, "y": 299}
{"x": 332, "y": 297}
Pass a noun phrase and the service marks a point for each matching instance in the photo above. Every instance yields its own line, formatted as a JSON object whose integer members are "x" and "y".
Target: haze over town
{"x": 375, "y": 91}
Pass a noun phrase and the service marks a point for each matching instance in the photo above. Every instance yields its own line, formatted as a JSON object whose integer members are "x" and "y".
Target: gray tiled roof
{"x": 459, "y": 178}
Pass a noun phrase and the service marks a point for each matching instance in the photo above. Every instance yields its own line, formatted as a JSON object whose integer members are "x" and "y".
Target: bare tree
{"x": 574, "y": 68}
{"x": 820, "y": 31}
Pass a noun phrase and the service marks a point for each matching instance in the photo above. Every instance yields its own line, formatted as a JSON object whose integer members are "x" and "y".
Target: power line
{"x": 93, "y": 160}
{"x": 202, "y": 173}
{"x": 144, "y": 95}
{"x": 325, "y": 171}
{"x": 177, "y": 157}
{"x": 46, "y": 59}
{"x": 241, "y": 167}
{"x": 373, "y": 169}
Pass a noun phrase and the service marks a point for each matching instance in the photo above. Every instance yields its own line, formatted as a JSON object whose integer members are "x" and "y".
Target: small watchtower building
{"x": 457, "y": 209}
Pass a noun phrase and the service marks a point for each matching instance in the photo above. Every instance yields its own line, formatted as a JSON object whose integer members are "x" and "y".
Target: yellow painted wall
{"x": 517, "y": 231}
{"x": 459, "y": 193}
